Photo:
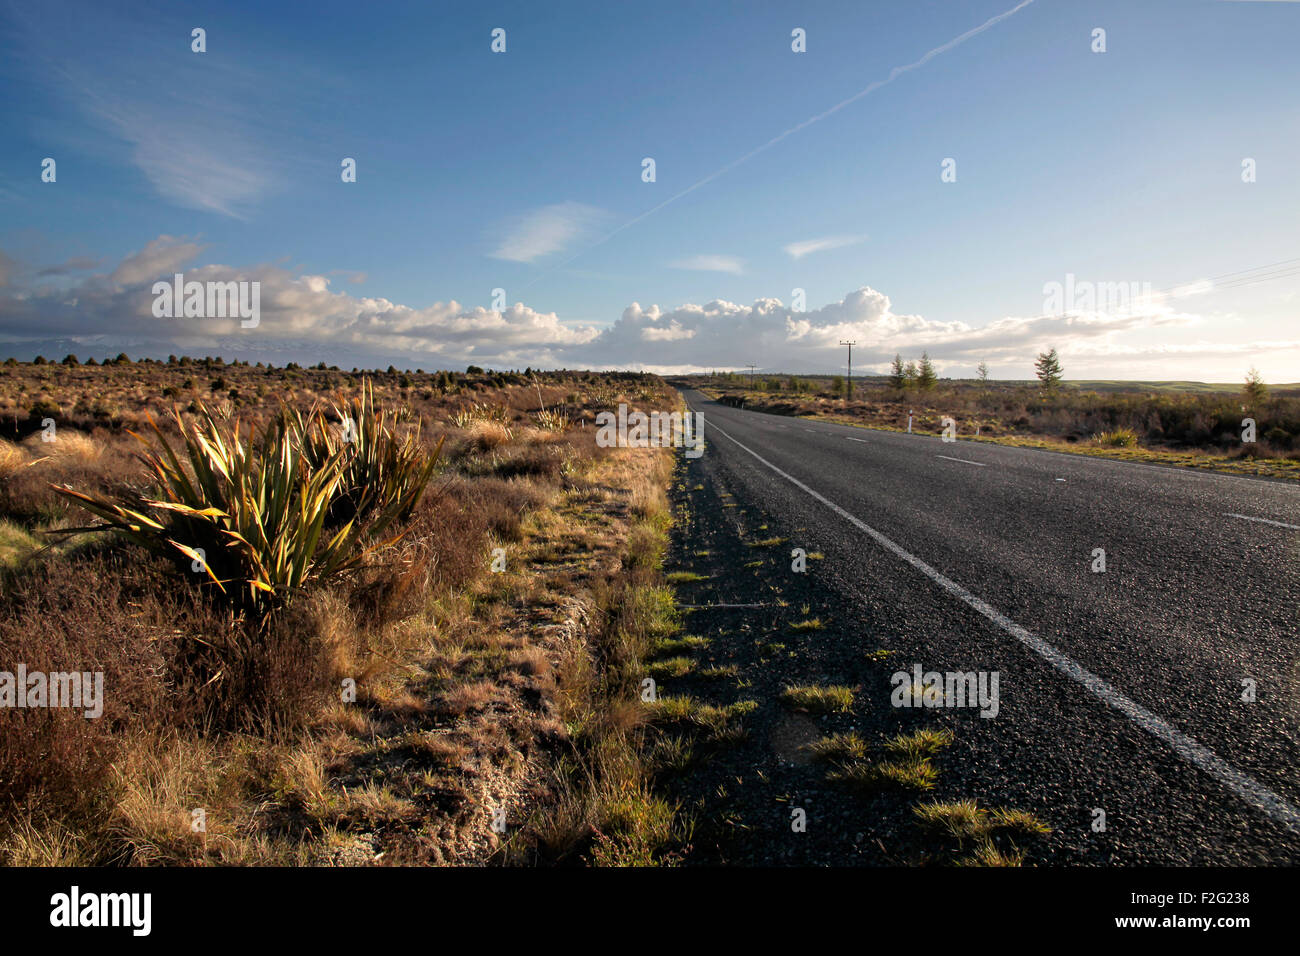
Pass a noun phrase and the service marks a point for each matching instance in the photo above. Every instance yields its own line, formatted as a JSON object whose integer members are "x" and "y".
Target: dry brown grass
{"x": 460, "y": 674}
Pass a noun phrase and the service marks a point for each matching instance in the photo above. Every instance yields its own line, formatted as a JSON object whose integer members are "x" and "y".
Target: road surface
{"x": 1120, "y": 691}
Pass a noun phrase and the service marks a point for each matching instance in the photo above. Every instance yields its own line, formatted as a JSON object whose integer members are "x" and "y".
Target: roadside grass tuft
{"x": 925, "y": 742}
{"x": 840, "y": 748}
{"x": 913, "y": 773}
{"x": 810, "y": 624}
{"x": 719, "y": 672}
{"x": 831, "y": 699}
{"x": 1117, "y": 438}
{"x": 988, "y": 854}
{"x": 673, "y": 646}
{"x": 671, "y": 667}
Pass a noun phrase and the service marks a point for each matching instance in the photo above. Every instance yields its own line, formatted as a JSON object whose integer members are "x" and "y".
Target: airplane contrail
{"x": 894, "y": 74}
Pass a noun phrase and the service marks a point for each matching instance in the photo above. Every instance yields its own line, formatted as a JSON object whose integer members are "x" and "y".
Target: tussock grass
{"x": 685, "y": 577}
{"x": 809, "y": 624}
{"x": 966, "y": 820}
{"x": 668, "y": 646}
{"x": 905, "y": 763}
{"x": 902, "y": 774}
{"x": 1117, "y": 438}
{"x": 988, "y": 854}
{"x": 671, "y": 667}
{"x": 840, "y": 748}
{"x": 719, "y": 672}
{"x": 831, "y": 699}
{"x": 925, "y": 742}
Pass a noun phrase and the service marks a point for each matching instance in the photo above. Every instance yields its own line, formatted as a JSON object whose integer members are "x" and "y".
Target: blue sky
{"x": 522, "y": 171}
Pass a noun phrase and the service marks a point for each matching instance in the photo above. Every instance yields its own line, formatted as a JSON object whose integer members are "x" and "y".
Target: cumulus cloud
{"x": 797, "y": 250}
{"x": 304, "y": 319}
{"x": 547, "y": 230}
{"x": 731, "y": 264}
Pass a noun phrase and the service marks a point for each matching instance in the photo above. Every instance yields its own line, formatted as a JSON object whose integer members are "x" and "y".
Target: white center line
{"x": 963, "y": 460}
{"x": 1188, "y": 748}
{"x": 863, "y": 440}
{"x": 1278, "y": 524}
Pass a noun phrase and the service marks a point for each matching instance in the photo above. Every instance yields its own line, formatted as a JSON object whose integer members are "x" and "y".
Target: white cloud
{"x": 304, "y": 320}
{"x": 547, "y": 230}
{"x": 731, "y": 264}
{"x": 797, "y": 250}
{"x": 159, "y": 259}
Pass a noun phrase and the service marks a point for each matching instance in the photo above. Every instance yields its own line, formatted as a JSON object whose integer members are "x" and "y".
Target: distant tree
{"x": 473, "y": 370}
{"x": 172, "y": 360}
{"x": 982, "y": 373}
{"x": 70, "y": 360}
{"x": 122, "y": 359}
{"x": 1048, "y": 370}
{"x": 11, "y": 361}
{"x": 91, "y": 361}
{"x": 837, "y": 385}
{"x": 40, "y": 360}
{"x": 909, "y": 375}
{"x": 1255, "y": 391}
{"x": 926, "y": 379}
{"x": 897, "y": 375}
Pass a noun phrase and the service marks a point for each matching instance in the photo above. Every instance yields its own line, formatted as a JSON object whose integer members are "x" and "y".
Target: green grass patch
{"x": 685, "y": 577}
{"x": 672, "y": 646}
{"x": 810, "y": 624}
{"x": 840, "y": 748}
{"x": 719, "y": 672}
{"x": 671, "y": 667}
{"x": 16, "y": 545}
{"x": 831, "y": 699}
{"x": 920, "y": 743}
{"x": 905, "y": 774}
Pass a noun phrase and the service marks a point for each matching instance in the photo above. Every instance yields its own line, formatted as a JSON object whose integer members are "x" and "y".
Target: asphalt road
{"x": 1119, "y": 691}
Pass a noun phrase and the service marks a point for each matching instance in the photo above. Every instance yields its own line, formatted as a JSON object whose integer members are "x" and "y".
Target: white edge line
{"x": 1276, "y": 524}
{"x": 1188, "y": 748}
{"x": 962, "y": 460}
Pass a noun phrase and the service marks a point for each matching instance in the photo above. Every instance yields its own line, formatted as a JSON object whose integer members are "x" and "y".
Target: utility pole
{"x": 848, "y": 392}
{"x": 751, "y": 375}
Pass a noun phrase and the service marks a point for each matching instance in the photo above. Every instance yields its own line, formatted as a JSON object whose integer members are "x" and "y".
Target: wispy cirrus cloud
{"x": 546, "y": 230}
{"x": 797, "y": 250}
{"x": 195, "y": 125}
{"x": 732, "y": 264}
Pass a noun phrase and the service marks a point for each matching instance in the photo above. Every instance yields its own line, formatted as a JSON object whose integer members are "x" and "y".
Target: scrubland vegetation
{"x": 1175, "y": 423}
{"x": 343, "y": 618}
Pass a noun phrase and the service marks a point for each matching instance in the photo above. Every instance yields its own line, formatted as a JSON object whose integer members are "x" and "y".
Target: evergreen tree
{"x": 897, "y": 377}
{"x": 1048, "y": 369}
{"x": 1255, "y": 391}
{"x": 925, "y": 375}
